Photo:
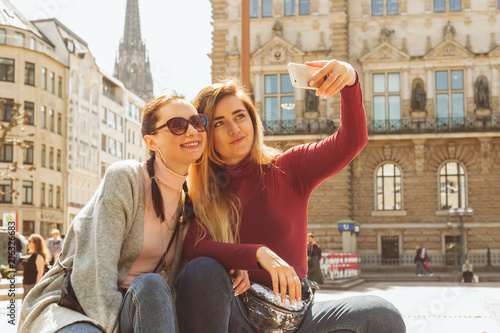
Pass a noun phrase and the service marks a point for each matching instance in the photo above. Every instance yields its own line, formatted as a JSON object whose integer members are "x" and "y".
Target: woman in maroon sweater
{"x": 251, "y": 206}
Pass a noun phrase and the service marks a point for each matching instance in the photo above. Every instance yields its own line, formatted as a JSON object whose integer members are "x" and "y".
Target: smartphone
{"x": 301, "y": 74}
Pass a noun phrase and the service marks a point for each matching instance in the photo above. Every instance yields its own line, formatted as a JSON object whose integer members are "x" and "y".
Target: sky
{"x": 177, "y": 34}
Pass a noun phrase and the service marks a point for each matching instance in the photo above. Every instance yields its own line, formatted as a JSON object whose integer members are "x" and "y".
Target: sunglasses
{"x": 179, "y": 125}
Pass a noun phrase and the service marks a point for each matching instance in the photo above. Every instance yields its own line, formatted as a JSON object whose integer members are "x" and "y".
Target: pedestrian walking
{"x": 34, "y": 265}
{"x": 313, "y": 260}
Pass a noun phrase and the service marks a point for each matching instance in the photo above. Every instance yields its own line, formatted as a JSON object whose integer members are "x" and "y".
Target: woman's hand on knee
{"x": 282, "y": 274}
{"x": 241, "y": 281}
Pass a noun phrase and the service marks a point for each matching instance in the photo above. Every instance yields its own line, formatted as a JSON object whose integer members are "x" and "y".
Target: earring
{"x": 161, "y": 156}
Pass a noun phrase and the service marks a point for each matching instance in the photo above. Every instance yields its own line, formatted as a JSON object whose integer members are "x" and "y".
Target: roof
{"x": 10, "y": 16}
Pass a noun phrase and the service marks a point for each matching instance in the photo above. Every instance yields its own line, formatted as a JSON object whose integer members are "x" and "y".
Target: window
{"x": 29, "y": 73}
{"x": 452, "y": 186}
{"x": 28, "y": 228}
{"x": 7, "y": 152}
{"x": 59, "y": 87}
{"x": 454, "y": 5}
{"x": 27, "y": 192}
{"x": 52, "y": 83}
{"x": 304, "y": 7}
{"x": 42, "y": 194}
{"x": 58, "y": 162}
{"x": 51, "y": 120}
{"x": 103, "y": 142}
{"x": 51, "y": 195}
{"x": 43, "y": 157}
{"x": 386, "y": 102}
{"x": 112, "y": 146}
{"x": 254, "y": 8}
{"x": 450, "y": 107}
{"x": 58, "y": 197}
{"x": 279, "y": 102}
{"x": 7, "y": 109}
{"x": 2, "y": 36}
{"x": 18, "y": 39}
{"x": 29, "y": 107}
{"x": 388, "y": 187}
{"x": 119, "y": 123}
{"x": 28, "y": 152}
{"x": 51, "y": 157}
{"x": 103, "y": 114}
{"x": 7, "y": 69}
{"x": 59, "y": 123}
{"x": 267, "y": 8}
{"x": 6, "y": 191}
{"x": 289, "y": 7}
{"x": 32, "y": 43}
{"x": 390, "y": 250}
{"x": 119, "y": 149}
{"x": 111, "y": 119}
{"x": 44, "y": 116}
{"x": 44, "y": 78}
{"x": 387, "y": 7}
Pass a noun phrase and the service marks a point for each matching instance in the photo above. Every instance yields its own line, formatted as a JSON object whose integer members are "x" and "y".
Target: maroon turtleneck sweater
{"x": 274, "y": 203}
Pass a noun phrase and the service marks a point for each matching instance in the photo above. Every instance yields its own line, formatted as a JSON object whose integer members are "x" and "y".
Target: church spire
{"x": 132, "y": 22}
{"x": 132, "y": 63}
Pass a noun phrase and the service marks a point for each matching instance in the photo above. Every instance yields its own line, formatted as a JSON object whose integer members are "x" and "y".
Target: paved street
{"x": 427, "y": 307}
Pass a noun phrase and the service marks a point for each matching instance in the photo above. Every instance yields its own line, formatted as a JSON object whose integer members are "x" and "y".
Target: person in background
{"x": 34, "y": 266}
{"x": 120, "y": 238}
{"x": 467, "y": 266}
{"x": 419, "y": 260}
{"x": 313, "y": 260}
{"x": 468, "y": 275}
{"x": 55, "y": 245}
{"x": 251, "y": 203}
{"x": 425, "y": 261}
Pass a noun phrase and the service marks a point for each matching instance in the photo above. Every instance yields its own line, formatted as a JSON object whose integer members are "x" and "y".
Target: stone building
{"x": 430, "y": 74}
{"x": 132, "y": 65}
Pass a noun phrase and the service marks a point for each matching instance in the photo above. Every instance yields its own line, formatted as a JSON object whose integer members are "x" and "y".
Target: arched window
{"x": 389, "y": 187}
{"x": 452, "y": 186}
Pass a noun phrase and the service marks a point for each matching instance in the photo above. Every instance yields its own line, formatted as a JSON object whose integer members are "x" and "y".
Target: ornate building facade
{"x": 132, "y": 65}
{"x": 430, "y": 73}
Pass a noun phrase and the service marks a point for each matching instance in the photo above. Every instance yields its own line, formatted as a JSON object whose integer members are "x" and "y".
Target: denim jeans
{"x": 147, "y": 307}
{"x": 420, "y": 268}
{"x": 206, "y": 303}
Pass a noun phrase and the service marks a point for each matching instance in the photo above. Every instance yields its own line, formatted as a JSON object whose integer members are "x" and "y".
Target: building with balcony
{"x": 34, "y": 75}
{"x": 430, "y": 73}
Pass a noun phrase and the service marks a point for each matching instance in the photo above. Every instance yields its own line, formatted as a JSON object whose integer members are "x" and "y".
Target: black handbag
{"x": 68, "y": 298}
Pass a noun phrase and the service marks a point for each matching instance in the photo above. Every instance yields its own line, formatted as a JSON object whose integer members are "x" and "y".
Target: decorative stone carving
{"x": 322, "y": 44}
{"x": 298, "y": 44}
{"x": 387, "y": 151}
{"x": 365, "y": 46}
{"x": 493, "y": 43}
{"x": 452, "y": 149}
{"x": 278, "y": 29}
{"x": 418, "y": 97}
{"x": 257, "y": 42}
{"x": 405, "y": 46}
{"x": 449, "y": 31}
{"x": 482, "y": 94}
{"x": 385, "y": 35}
{"x": 312, "y": 101}
{"x": 468, "y": 44}
{"x": 428, "y": 47}
{"x": 277, "y": 54}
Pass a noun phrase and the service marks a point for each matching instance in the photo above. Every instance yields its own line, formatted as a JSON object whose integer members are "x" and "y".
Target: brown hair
{"x": 150, "y": 116}
{"x": 39, "y": 246}
{"x": 216, "y": 209}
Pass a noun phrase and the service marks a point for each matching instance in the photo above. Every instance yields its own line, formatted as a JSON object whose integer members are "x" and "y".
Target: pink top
{"x": 157, "y": 234}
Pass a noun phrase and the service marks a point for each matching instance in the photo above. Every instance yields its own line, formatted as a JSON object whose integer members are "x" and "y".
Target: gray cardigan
{"x": 101, "y": 244}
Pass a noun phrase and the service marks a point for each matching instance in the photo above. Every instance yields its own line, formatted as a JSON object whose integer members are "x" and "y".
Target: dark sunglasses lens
{"x": 177, "y": 125}
{"x": 200, "y": 122}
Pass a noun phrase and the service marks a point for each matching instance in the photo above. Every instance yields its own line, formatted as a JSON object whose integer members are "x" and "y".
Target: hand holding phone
{"x": 301, "y": 74}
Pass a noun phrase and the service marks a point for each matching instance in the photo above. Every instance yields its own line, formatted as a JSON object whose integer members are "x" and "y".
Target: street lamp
{"x": 461, "y": 213}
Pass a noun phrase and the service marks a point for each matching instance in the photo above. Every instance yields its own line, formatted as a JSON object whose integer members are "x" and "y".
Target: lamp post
{"x": 461, "y": 213}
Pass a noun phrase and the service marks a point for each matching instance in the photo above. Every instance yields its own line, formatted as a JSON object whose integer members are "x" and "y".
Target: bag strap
{"x": 162, "y": 259}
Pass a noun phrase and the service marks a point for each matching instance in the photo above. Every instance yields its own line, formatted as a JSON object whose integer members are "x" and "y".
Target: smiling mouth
{"x": 238, "y": 140}
{"x": 191, "y": 144}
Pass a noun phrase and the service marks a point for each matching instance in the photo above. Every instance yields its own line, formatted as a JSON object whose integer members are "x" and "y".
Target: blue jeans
{"x": 147, "y": 307}
{"x": 205, "y": 303}
{"x": 420, "y": 268}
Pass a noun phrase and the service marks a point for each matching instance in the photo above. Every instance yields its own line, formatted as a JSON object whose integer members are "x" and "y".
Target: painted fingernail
{"x": 236, "y": 293}
{"x": 311, "y": 83}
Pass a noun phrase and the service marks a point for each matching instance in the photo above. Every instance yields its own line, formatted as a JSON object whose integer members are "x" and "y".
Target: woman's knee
{"x": 205, "y": 269}
{"x": 150, "y": 283}
{"x": 374, "y": 308}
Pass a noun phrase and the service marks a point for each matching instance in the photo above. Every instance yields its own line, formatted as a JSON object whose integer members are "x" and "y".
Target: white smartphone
{"x": 301, "y": 74}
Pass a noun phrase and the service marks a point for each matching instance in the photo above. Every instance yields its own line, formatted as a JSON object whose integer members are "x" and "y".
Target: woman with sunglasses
{"x": 130, "y": 228}
{"x": 259, "y": 223}
{"x": 34, "y": 266}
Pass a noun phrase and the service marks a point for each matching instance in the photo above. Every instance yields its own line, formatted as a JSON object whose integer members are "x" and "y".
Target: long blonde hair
{"x": 216, "y": 209}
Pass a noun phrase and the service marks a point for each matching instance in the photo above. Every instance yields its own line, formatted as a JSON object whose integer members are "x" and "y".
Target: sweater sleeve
{"x": 231, "y": 256}
{"x": 100, "y": 232}
{"x": 313, "y": 163}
